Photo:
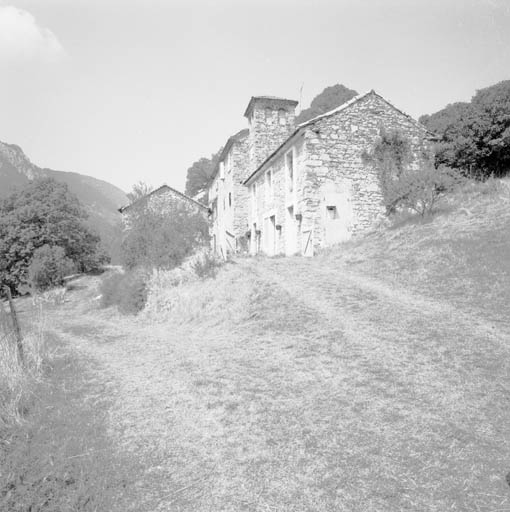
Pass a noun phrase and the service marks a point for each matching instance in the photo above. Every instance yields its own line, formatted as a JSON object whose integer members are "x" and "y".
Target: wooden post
{"x": 17, "y": 330}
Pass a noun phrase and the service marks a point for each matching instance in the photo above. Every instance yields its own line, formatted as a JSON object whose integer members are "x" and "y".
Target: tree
{"x": 48, "y": 267}
{"x": 475, "y": 137}
{"x": 139, "y": 190}
{"x": 402, "y": 185}
{"x": 328, "y": 99}
{"x": 200, "y": 173}
{"x": 161, "y": 239}
{"x": 44, "y": 213}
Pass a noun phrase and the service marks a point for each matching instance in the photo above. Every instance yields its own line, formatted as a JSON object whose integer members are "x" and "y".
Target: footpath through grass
{"x": 60, "y": 457}
{"x": 372, "y": 378}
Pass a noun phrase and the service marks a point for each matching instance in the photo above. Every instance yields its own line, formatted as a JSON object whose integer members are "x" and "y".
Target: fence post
{"x": 17, "y": 330}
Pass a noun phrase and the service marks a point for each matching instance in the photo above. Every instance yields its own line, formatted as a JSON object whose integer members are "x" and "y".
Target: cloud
{"x": 22, "y": 39}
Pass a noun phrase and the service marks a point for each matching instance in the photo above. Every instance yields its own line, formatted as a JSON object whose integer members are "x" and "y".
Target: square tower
{"x": 271, "y": 121}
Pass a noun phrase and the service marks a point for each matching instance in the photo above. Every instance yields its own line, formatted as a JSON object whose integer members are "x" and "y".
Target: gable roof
{"x": 330, "y": 113}
{"x": 237, "y": 137}
{"x": 163, "y": 188}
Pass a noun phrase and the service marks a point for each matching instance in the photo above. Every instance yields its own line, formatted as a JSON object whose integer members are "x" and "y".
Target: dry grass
{"x": 375, "y": 377}
{"x": 17, "y": 381}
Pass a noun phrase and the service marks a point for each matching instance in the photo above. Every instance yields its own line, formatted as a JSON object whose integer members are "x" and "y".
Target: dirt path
{"x": 337, "y": 392}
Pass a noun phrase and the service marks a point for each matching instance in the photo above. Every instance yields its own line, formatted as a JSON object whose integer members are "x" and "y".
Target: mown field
{"x": 374, "y": 377}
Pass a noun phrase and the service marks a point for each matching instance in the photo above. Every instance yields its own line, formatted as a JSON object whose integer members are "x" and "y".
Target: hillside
{"x": 374, "y": 377}
{"x": 101, "y": 199}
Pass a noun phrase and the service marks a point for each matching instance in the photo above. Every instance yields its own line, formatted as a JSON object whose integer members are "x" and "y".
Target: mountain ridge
{"x": 100, "y": 198}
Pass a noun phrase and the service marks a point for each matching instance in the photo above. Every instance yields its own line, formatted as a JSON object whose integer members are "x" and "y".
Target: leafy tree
{"x": 139, "y": 190}
{"x": 158, "y": 238}
{"x": 44, "y": 213}
{"x": 199, "y": 174}
{"x": 48, "y": 267}
{"x": 328, "y": 99}
{"x": 405, "y": 186}
{"x": 475, "y": 137}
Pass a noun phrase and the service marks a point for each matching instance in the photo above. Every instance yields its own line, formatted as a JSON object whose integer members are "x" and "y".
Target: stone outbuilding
{"x": 305, "y": 186}
{"x": 162, "y": 199}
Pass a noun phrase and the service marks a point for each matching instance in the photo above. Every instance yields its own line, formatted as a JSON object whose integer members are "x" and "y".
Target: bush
{"x": 48, "y": 267}
{"x": 419, "y": 190}
{"x": 163, "y": 236}
{"x": 403, "y": 186}
{"x": 127, "y": 291}
{"x": 206, "y": 264}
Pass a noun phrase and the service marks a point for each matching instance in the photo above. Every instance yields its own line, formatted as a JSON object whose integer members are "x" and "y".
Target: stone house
{"x": 316, "y": 189}
{"x": 161, "y": 199}
{"x": 228, "y": 197}
{"x": 307, "y": 186}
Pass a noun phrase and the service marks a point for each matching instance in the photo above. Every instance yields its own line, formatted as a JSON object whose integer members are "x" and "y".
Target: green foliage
{"x": 475, "y": 136}
{"x": 420, "y": 190}
{"x": 48, "y": 267}
{"x": 207, "y": 265}
{"x": 162, "y": 238}
{"x": 199, "y": 174}
{"x": 127, "y": 291}
{"x": 140, "y": 189}
{"x": 402, "y": 186}
{"x": 390, "y": 156}
{"x": 44, "y": 213}
{"x": 328, "y": 99}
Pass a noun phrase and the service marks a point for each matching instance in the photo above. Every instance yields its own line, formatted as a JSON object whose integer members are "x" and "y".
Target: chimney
{"x": 271, "y": 122}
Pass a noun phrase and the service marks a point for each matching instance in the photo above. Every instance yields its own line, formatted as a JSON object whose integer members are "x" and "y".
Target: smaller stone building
{"x": 315, "y": 188}
{"x": 228, "y": 197}
{"x": 162, "y": 199}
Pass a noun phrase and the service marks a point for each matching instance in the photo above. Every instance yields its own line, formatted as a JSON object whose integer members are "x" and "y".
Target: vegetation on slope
{"x": 44, "y": 214}
{"x": 475, "y": 136}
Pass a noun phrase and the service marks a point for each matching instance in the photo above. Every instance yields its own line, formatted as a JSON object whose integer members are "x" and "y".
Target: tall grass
{"x": 17, "y": 380}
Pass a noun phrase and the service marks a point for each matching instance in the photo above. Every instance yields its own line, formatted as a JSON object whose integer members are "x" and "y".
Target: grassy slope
{"x": 375, "y": 377}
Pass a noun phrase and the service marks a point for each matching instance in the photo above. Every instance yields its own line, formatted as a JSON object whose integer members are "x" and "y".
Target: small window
{"x": 230, "y": 198}
{"x": 332, "y": 212}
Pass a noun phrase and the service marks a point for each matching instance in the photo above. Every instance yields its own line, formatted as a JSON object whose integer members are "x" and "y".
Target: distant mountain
{"x": 100, "y": 199}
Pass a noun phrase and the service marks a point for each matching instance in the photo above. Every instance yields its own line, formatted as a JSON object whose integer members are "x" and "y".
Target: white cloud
{"x": 22, "y": 39}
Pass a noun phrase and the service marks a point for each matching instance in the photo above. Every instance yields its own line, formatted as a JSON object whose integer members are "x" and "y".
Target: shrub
{"x": 162, "y": 236}
{"x": 419, "y": 190}
{"x": 127, "y": 291}
{"x": 48, "y": 267}
{"x": 206, "y": 264}
{"x": 403, "y": 186}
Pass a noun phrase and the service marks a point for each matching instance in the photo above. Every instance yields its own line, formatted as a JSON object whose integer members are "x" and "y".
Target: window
{"x": 222, "y": 170}
{"x": 289, "y": 165}
{"x": 230, "y": 198}
{"x": 269, "y": 184}
{"x": 332, "y": 212}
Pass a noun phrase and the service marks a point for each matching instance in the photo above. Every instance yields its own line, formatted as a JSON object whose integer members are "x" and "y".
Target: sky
{"x": 137, "y": 90}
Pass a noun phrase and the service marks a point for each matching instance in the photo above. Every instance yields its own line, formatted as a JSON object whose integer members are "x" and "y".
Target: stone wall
{"x": 162, "y": 201}
{"x": 277, "y": 204}
{"x": 271, "y": 122}
{"x": 336, "y": 193}
{"x": 240, "y": 157}
{"x": 229, "y": 197}
{"x": 336, "y": 171}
